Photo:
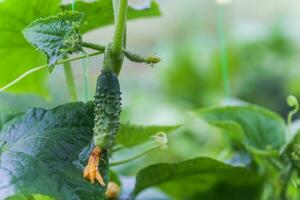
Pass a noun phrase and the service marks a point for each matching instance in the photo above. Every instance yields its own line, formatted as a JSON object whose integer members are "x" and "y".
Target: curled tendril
{"x": 292, "y": 102}
{"x": 161, "y": 139}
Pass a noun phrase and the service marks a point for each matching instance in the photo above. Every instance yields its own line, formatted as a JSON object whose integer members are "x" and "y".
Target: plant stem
{"x": 117, "y": 149}
{"x": 70, "y": 81}
{"x": 224, "y": 62}
{"x": 275, "y": 164}
{"x": 33, "y": 70}
{"x": 134, "y": 157}
{"x": 130, "y": 55}
{"x": 93, "y": 46}
{"x": 73, "y": 5}
{"x": 119, "y": 35}
{"x": 286, "y": 177}
{"x": 85, "y": 76}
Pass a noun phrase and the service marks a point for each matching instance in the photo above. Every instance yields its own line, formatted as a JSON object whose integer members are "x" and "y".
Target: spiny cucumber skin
{"x": 107, "y": 109}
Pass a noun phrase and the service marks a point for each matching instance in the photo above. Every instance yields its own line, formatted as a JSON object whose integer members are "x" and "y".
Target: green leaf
{"x": 99, "y": 13}
{"x": 46, "y": 150}
{"x": 263, "y": 131}
{"x": 57, "y": 36}
{"x": 232, "y": 129}
{"x": 8, "y": 118}
{"x": 17, "y": 55}
{"x": 292, "y": 151}
{"x": 44, "y": 153}
{"x": 196, "y": 176}
{"x": 131, "y": 135}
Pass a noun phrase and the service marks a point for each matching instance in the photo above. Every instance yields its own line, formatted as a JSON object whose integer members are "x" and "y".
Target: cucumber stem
{"x": 93, "y": 46}
{"x": 134, "y": 157}
{"x": 70, "y": 81}
{"x": 119, "y": 35}
{"x": 286, "y": 178}
{"x": 224, "y": 60}
{"x": 42, "y": 67}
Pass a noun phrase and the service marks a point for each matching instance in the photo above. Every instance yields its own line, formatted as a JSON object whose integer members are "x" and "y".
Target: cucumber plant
{"x": 66, "y": 152}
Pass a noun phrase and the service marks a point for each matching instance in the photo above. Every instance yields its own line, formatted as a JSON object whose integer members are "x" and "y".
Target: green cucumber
{"x": 107, "y": 106}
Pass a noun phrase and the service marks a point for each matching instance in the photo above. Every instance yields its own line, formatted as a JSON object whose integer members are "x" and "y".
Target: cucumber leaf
{"x": 263, "y": 131}
{"x": 197, "y": 177}
{"x": 45, "y": 151}
{"x": 17, "y": 55}
{"x": 99, "y": 13}
{"x": 57, "y": 36}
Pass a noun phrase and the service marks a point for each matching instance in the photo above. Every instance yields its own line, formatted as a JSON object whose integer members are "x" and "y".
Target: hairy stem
{"x": 70, "y": 81}
{"x": 93, "y": 46}
{"x": 134, "y": 157}
{"x": 119, "y": 35}
{"x": 39, "y": 68}
{"x": 130, "y": 55}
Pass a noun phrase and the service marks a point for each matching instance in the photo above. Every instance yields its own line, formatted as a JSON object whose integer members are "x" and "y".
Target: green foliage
{"x": 20, "y": 56}
{"x": 263, "y": 130}
{"x": 44, "y": 153}
{"x": 99, "y": 13}
{"x": 16, "y": 54}
{"x": 292, "y": 151}
{"x": 42, "y": 142}
{"x": 57, "y": 36}
{"x": 8, "y": 118}
{"x": 270, "y": 57}
{"x": 189, "y": 81}
{"x": 198, "y": 176}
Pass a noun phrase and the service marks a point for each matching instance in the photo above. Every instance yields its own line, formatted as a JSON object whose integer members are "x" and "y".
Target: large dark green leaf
{"x": 196, "y": 177}
{"x": 17, "y": 55}
{"x": 57, "y": 36}
{"x": 131, "y": 135}
{"x": 7, "y": 118}
{"x": 263, "y": 131}
{"x": 44, "y": 153}
{"x": 100, "y": 13}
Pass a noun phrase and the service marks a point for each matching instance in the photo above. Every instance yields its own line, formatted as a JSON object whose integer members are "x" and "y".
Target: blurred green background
{"x": 263, "y": 59}
{"x": 262, "y": 50}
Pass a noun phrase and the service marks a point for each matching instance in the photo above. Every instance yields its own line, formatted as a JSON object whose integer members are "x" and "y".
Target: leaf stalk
{"x": 70, "y": 81}
{"x": 134, "y": 157}
{"x": 39, "y": 68}
{"x": 119, "y": 35}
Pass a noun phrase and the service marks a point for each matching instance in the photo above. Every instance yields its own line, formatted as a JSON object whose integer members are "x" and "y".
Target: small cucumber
{"x": 107, "y": 109}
